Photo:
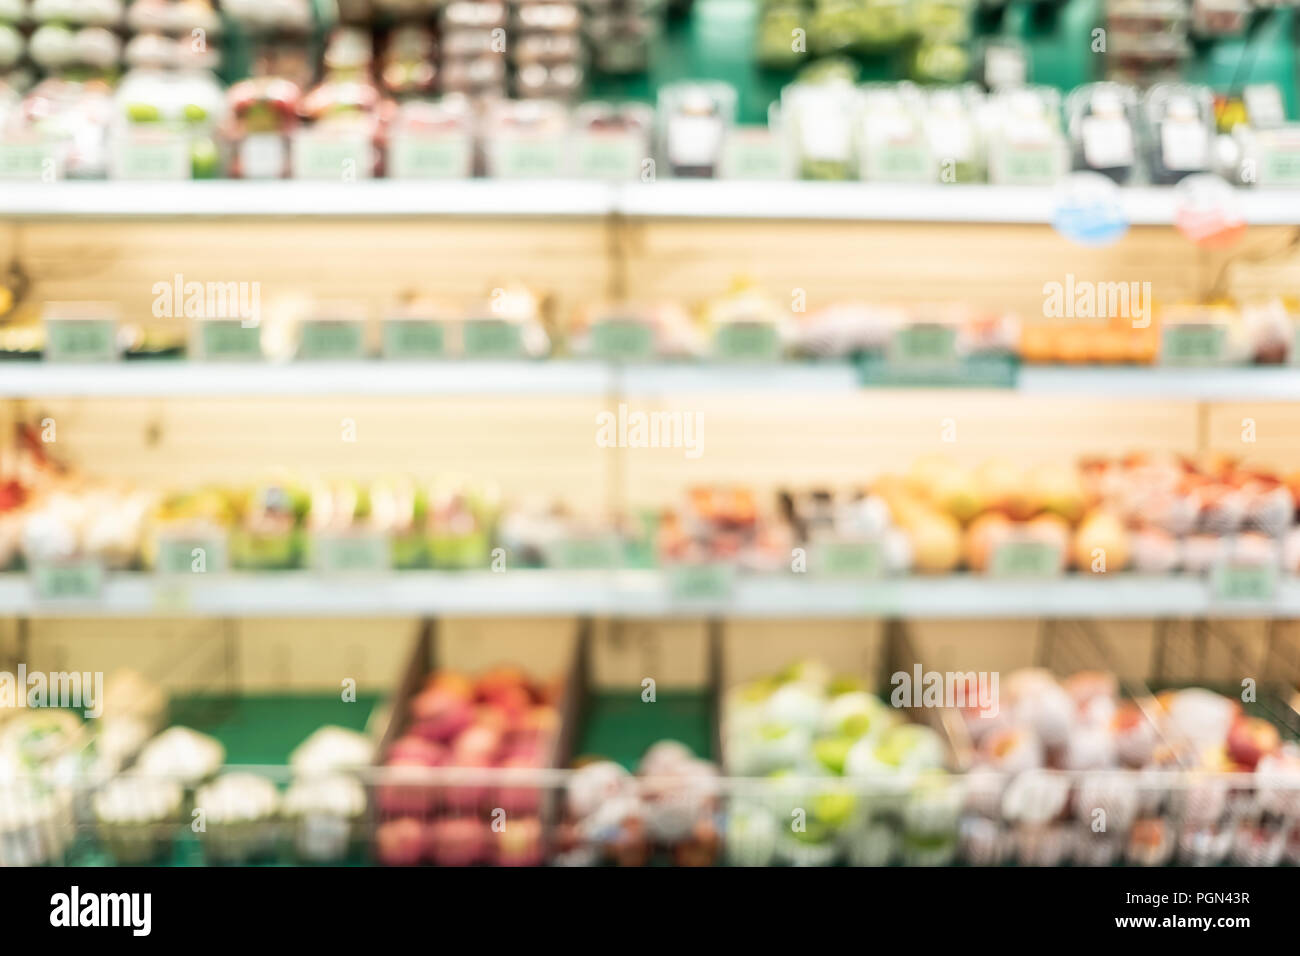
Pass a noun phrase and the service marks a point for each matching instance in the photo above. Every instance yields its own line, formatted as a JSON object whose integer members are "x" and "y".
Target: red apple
{"x": 467, "y": 796}
{"x": 404, "y": 793}
{"x": 399, "y": 842}
{"x": 440, "y": 715}
{"x": 479, "y": 742}
{"x": 522, "y": 797}
{"x": 1250, "y": 739}
{"x": 457, "y": 841}
{"x": 412, "y": 749}
{"x": 520, "y": 843}
{"x": 501, "y": 681}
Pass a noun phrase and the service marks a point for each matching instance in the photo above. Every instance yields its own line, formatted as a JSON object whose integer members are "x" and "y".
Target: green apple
{"x": 831, "y": 752}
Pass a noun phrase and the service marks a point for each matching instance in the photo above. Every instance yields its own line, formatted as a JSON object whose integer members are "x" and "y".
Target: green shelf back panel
{"x": 265, "y": 728}
{"x": 619, "y": 726}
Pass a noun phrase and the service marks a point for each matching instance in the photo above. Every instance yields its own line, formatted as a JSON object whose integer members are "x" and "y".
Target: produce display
{"x": 1149, "y": 514}
{"x": 846, "y": 777}
{"x": 743, "y": 322}
{"x": 946, "y": 131}
{"x": 438, "y": 801}
{"x": 669, "y": 810}
{"x": 816, "y": 769}
{"x": 1069, "y": 771}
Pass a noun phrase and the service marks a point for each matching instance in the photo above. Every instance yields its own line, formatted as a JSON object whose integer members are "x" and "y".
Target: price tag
{"x": 1185, "y": 145}
{"x": 612, "y": 155}
{"x": 1279, "y": 156}
{"x": 1193, "y": 343}
{"x": 414, "y": 339}
{"x": 1018, "y": 557}
{"x": 492, "y": 338}
{"x": 1107, "y": 142}
{"x": 348, "y": 553}
{"x": 1023, "y": 164}
{"x": 587, "y": 554}
{"x": 747, "y": 341}
{"x": 850, "y": 559}
{"x": 326, "y": 154}
{"x": 923, "y": 343}
{"x": 1245, "y": 582}
{"x": 899, "y": 162}
{"x": 412, "y": 156}
{"x": 32, "y": 161}
{"x": 182, "y": 554}
{"x": 755, "y": 153}
{"x": 81, "y": 580}
{"x": 227, "y": 339}
{"x": 80, "y": 340}
{"x": 528, "y": 158}
{"x": 701, "y": 582}
{"x": 622, "y": 340}
{"x": 332, "y": 340}
{"x": 151, "y": 154}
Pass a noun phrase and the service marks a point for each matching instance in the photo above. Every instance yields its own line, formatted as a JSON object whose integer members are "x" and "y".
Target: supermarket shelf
{"x": 163, "y": 378}
{"x": 1275, "y": 383}
{"x": 181, "y": 378}
{"x": 640, "y": 594}
{"x": 784, "y": 377}
{"x": 300, "y": 198}
{"x": 667, "y": 198}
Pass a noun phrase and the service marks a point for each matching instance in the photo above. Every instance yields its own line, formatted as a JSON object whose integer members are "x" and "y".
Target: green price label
{"x": 754, "y": 157}
{"x": 73, "y": 581}
{"x": 28, "y": 161}
{"x": 1280, "y": 166}
{"x": 190, "y": 554}
{"x": 492, "y": 338}
{"x": 610, "y": 155}
{"x": 332, "y": 340}
{"x": 324, "y": 157}
{"x": 527, "y": 159}
{"x": 850, "y": 559}
{"x": 899, "y": 162}
{"x": 430, "y": 157}
{"x": 924, "y": 344}
{"x": 747, "y": 341}
{"x": 229, "y": 339}
{"x": 1193, "y": 344}
{"x": 164, "y": 158}
{"x": 81, "y": 340}
{"x": 622, "y": 340}
{"x": 346, "y": 553}
{"x": 1025, "y": 559}
{"x": 588, "y": 554}
{"x": 701, "y": 582}
{"x": 1028, "y": 166}
{"x": 1245, "y": 582}
{"x": 414, "y": 339}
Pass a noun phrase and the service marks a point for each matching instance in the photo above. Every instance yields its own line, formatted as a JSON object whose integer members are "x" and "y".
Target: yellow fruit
{"x": 1002, "y": 486}
{"x": 1101, "y": 545}
{"x": 1057, "y": 489}
{"x": 957, "y": 493}
{"x": 936, "y": 543}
